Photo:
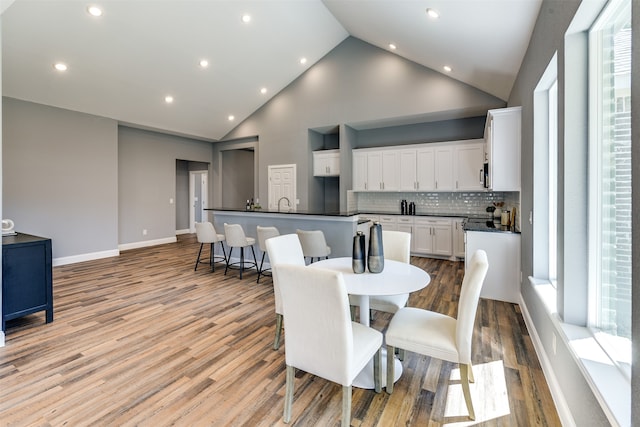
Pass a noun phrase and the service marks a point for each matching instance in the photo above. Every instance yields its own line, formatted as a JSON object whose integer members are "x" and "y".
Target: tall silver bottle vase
{"x": 359, "y": 255}
{"x": 375, "y": 259}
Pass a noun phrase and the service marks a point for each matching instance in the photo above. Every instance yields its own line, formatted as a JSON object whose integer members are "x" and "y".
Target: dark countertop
{"x": 487, "y": 226}
{"x": 273, "y": 211}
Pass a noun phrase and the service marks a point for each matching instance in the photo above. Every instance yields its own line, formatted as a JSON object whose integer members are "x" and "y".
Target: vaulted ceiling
{"x": 126, "y": 62}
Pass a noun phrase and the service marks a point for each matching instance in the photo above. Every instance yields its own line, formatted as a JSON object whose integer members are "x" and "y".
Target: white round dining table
{"x": 395, "y": 278}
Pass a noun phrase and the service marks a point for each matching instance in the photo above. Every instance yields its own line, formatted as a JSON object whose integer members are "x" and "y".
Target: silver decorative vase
{"x": 358, "y": 260}
{"x": 375, "y": 259}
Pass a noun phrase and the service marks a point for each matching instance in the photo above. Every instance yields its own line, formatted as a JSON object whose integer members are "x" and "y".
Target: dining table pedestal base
{"x": 365, "y": 377}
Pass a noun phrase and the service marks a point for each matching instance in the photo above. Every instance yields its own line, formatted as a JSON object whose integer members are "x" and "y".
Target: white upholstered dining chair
{"x": 441, "y": 336}
{"x": 321, "y": 338}
{"x": 283, "y": 249}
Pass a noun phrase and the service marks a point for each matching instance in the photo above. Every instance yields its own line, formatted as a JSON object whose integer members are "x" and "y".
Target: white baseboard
{"x": 184, "y": 231}
{"x": 1, "y": 338}
{"x": 146, "y": 243}
{"x": 85, "y": 257}
{"x": 564, "y": 413}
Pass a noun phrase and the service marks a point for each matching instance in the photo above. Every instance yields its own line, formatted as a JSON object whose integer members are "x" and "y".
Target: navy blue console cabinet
{"x": 27, "y": 282}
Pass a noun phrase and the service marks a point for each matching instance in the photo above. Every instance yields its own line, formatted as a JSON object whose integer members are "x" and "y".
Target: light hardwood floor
{"x": 142, "y": 339}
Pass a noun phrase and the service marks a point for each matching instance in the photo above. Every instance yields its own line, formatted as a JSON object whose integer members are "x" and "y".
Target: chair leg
{"x": 198, "y": 259}
{"x": 391, "y": 367}
{"x": 288, "y": 395}
{"x": 255, "y": 263}
{"x": 464, "y": 377}
{"x": 228, "y": 261}
{"x": 377, "y": 370}
{"x": 401, "y": 354}
{"x": 241, "y": 261}
{"x": 211, "y": 251}
{"x": 260, "y": 269}
{"x": 346, "y": 406}
{"x": 276, "y": 341}
{"x": 353, "y": 312}
{"x": 471, "y": 379}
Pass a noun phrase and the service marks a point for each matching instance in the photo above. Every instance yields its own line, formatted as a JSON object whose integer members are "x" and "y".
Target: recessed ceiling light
{"x": 246, "y": 18}
{"x": 263, "y": 90}
{"x": 392, "y": 46}
{"x": 432, "y": 13}
{"x": 204, "y": 63}
{"x": 447, "y": 68}
{"x": 60, "y": 66}
{"x": 231, "y": 118}
{"x": 94, "y": 11}
{"x": 303, "y": 60}
{"x": 168, "y": 99}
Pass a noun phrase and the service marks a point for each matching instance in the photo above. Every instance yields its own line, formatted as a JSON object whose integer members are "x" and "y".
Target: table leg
{"x": 364, "y": 310}
{"x": 365, "y": 377}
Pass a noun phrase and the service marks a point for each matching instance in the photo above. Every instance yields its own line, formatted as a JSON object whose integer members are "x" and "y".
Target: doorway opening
{"x": 192, "y": 194}
{"x": 238, "y": 177}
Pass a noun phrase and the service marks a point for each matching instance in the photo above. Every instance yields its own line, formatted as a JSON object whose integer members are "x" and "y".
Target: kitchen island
{"x": 338, "y": 227}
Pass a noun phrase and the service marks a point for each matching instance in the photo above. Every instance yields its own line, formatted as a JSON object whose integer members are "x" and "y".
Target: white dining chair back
{"x": 314, "y": 244}
{"x": 441, "y": 336}
{"x": 321, "y": 338}
{"x": 206, "y": 234}
{"x": 285, "y": 249}
{"x": 264, "y": 233}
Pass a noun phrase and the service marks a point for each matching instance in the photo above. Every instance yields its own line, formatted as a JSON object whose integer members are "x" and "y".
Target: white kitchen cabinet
{"x": 433, "y": 236}
{"x": 443, "y": 167}
{"x": 382, "y": 170}
{"x": 468, "y": 166}
{"x": 389, "y": 222}
{"x": 503, "y": 253}
{"x": 326, "y": 163}
{"x": 417, "y": 169}
{"x": 502, "y": 136}
{"x": 359, "y": 171}
{"x": 458, "y": 238}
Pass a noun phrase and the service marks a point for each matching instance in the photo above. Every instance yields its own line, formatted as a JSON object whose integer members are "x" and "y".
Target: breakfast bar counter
{"x": 338, "y": 227}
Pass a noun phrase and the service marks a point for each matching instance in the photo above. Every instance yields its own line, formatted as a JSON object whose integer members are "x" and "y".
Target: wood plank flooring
{"x": 142, "y": 339}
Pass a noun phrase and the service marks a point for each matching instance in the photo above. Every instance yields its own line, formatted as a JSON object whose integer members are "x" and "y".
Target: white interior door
{"x": 198, "y": 194}
{"x": 282, "y": 183}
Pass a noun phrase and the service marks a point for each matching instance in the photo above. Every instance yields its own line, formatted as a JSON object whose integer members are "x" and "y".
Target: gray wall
{"x": 553, "y": 21}
{"x": 60, "y": 173}
{"x": 237, "y": 178}
{"x": 147, "y": 180}
{"x": 356, "y": 83}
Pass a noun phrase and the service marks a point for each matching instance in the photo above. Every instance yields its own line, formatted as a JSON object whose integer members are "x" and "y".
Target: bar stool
{"x": 313, "y": 244}
{"x": 206, "y": 233}
{"x": 236, "y": 239}
{"x": 264, "y": 233}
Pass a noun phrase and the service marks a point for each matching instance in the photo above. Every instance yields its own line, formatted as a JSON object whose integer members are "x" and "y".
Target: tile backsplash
{"x": 459, "y": 203}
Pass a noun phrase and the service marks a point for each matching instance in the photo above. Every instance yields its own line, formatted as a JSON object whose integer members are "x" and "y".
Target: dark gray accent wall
{"x": 354, "y": 84}
{"x": 147, "y": 180}
{"x": 237, "y": 178}
{"x": 548, "y": 37}
{"x": 60, "y": 174}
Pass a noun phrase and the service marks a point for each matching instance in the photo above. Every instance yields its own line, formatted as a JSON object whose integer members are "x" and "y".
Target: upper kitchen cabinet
{"x": 502, "y": 148}
{"x": 375, "y": 170}
{"x": 326, "y": 163}
{"x": 416, "y": 169}
{"x": 468, "y": 164}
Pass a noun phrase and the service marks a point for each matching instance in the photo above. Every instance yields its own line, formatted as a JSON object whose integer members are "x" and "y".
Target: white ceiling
{"x": 123, "y": 64}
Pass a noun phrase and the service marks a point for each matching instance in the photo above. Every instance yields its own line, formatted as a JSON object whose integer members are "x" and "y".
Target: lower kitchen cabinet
{"x": 432, "y": 237}
{"x": 503, "y": 253}
{"x": 458, "y": 238}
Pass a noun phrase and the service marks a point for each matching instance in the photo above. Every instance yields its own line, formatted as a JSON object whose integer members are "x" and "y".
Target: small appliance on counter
{"x": 8, "y": 228}
{"x": 403, "y": 207}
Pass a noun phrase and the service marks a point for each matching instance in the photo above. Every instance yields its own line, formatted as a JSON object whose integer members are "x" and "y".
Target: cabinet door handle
{"x": 436, "y": 185}
{"x": 480, "y": 178}
{"x": 456, "y": 185}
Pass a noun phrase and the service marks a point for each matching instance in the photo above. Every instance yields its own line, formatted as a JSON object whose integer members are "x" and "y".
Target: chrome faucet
{"x": 288, "y": 202}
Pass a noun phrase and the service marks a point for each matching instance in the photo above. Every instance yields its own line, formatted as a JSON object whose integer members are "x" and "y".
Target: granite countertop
{"x": 275, "y": 211}
{"x": 488, "y": 225}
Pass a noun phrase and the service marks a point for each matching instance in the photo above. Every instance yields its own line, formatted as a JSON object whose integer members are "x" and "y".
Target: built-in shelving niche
{"x": 324, "y": 194}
